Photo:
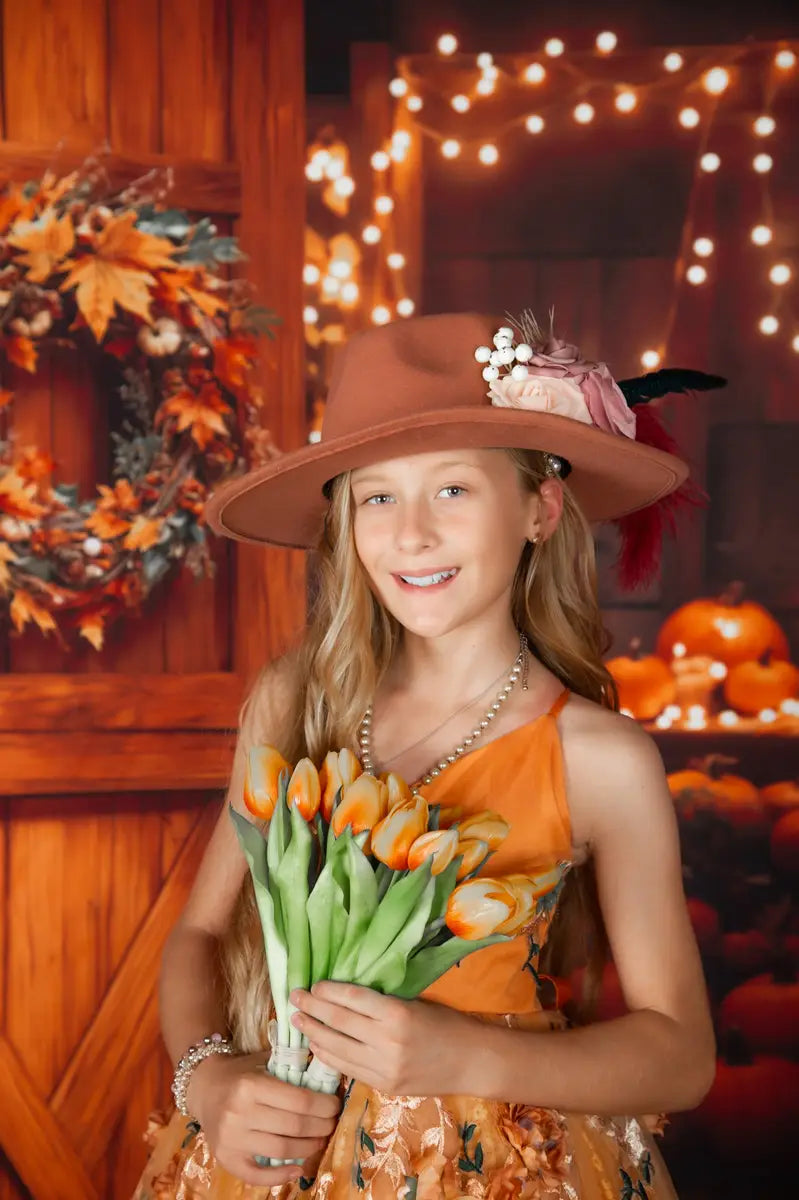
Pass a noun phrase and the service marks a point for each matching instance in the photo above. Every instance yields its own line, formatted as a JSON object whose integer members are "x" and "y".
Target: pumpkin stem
{"x": 733, "y": 594}
{"x": 635, "y": 649}
{"x": 765, "y": 657}
{"x": 734, "y": 1048}
{"x": 714, "y": 764}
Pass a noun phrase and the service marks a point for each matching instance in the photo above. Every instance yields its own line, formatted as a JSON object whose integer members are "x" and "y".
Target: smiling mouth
{"x": 433, "y": 579}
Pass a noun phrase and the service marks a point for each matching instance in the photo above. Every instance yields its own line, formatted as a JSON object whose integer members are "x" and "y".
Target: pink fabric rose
{"x": 606, "y": 404}
{"x": 541, "y": 394}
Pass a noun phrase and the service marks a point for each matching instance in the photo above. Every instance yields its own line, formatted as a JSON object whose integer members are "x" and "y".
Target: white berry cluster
{"x": 503, "y": 355}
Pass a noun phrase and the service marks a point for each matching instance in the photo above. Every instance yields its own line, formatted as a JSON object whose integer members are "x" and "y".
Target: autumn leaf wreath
{"x": 139, "y": 290}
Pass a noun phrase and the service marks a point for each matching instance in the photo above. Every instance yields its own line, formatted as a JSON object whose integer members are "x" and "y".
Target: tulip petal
{"x": 440, "y": 845}
{"x": 477, "y": 909}
{"x": 398, "y": 790}
{"x": 473, "y": 854}
{"x": 304, "y": 791}
{"x": 488, "y": 826}
{"x": 261, "y": 783}
{"x": 393, "y": 837}
{"x": 330, "y": 783}
{"x": 362, "y": 806}
{"x": 348, "y": 766}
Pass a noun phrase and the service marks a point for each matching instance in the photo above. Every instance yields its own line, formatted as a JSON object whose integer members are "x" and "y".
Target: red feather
{"x": 642, "y": 532}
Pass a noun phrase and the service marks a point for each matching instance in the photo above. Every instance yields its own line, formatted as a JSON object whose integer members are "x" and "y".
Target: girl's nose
{"x": 414, "y": 528}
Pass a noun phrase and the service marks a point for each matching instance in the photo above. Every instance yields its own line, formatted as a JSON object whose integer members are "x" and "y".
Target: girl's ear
{"x": 545, "y": 510}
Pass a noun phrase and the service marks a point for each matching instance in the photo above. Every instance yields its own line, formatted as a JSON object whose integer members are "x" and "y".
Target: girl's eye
{"x": 454, "y": 490}
{"x": 380, "y": 498}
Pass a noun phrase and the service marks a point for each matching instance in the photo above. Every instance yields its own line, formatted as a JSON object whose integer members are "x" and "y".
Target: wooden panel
{"x": 73, "y": 764}
{"x": 133, "y": 51}
{"x": 44, "y": 702}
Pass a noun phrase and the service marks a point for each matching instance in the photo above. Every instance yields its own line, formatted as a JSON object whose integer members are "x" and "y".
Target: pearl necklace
{"x": 365, "y": 730}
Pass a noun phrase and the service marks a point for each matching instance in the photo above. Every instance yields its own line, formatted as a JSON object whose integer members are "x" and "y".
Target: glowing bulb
{"x": 335, "y": 167}
{"x": 371, "y": 234}
{"x": 401, "y": 138}
{"x": 380, "y": 160}
{"x": 762, "y": 163}
{"x": 534, "y": 123}
{"x": 535, "y": 73}
{"x": 584, "y": 113}
{"x": 396, "y": 261}
{"x": 626, "y": 101}
{"x": 310, "y": 315}
{"x": 672, "y": 62}
{"x": 710, "y": 161}
{"x": 696, "y": 274}
{"x": 784, "y": 59}
{"x": 761, "y": 235}
{"x": 344, "y": 186}
{"x": 405, "y": 307}
{"x": 764, "y": 126}
{"x": 795, "y": 344}
{"x": 554, "y": 48}
{"x": 673, "y": 710}
{"x": 689, "y": 118}
{"x": 717, "y": 670}
{"x": 314, "y": 171}
{"x": 703, "y": 246}
{"x": 461, "y": 103}
{"x": 447, "y": 43}
{"x": 491, "y": 72}
{"x": 381, "y": 315}
{"x": 768, "y": 325}
{"x": 350, "y": 292}
{"x": 310, "y": 273}
{"x": 398, "y": 87}
{"x": 322, "y": 158}
{"x": 650, "y": 359}
{"x": 484, "y": 61}
{"x": 679, "y": 650}
{"x": 485, "y": 86}
{"x": 606, "y": 42}
{"x": 384, "y": 205}
{"x": 767, "y": 715}
{"x": 488, "y": 154}
{"x": 728, "y": 718}
{"x": 663, "y": 722}
{"x": 450, "y": 148}
{"x": 780, "y": 273}
{"x": 330, "y": 286}
{"x": 716, "y": 80}
{"x": 791, "y": 707}
{"x": 340, "y": 268}
{"x": 414, "y": 103}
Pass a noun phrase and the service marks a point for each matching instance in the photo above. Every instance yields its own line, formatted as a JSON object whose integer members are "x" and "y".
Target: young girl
{"x": 455, "y": 639}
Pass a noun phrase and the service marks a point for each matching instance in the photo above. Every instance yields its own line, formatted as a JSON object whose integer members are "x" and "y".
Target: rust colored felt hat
{"x": 446, "y": 382}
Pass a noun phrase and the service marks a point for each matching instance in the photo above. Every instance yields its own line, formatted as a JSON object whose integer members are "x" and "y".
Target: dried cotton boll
{"x": 163, "y": 338}
{"x": 40, "y": 324}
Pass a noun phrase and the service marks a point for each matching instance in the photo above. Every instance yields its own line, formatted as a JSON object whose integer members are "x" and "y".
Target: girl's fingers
{"x": 265, "y": 1121}
{"x": 245, "y": 1169}
{"x": 276, "y": 1146}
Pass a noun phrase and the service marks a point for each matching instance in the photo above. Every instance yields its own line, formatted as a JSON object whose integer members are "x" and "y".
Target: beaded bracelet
{"x": 215, "y": 1044}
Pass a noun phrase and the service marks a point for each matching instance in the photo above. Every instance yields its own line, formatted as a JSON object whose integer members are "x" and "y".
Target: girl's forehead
{"x": 429, "y": 462}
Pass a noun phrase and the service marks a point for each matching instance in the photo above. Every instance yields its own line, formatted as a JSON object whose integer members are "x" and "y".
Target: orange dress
{"x": 452, "y": 1147}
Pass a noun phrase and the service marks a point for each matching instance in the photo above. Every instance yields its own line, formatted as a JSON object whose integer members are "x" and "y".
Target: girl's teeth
{"x": 426, "y": 580}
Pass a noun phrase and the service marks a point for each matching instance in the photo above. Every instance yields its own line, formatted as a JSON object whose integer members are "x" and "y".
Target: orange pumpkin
{"x": 728, "y": 629}
{"x": 694, "y": 681}
{"x": 747, "y": 951}
{"x": 763, "y": 683}
{"x": 645, "y": 683}
{"x": 766, "y": 1010}
{"x": 785, "y": 843}
{"x": 706, "y": 785}
{"x": 780, "y": 798}
{"x": 705, "y": 921}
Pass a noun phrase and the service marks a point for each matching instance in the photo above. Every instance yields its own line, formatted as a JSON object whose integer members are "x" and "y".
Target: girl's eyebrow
{"x": 376, "y": 477}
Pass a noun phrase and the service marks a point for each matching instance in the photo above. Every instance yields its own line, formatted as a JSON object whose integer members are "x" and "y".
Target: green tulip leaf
{"x": 389, "y": 971}
{"x": 392, "y": 913}
{"x": 430, "y": 964}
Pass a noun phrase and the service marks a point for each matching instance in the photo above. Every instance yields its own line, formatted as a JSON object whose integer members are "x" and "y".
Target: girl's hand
{"x": 402, "y": 1047}
{"x": 244, "y": 1111}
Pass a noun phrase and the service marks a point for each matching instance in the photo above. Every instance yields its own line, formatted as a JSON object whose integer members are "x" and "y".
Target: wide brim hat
{"x": 414, "y": 386}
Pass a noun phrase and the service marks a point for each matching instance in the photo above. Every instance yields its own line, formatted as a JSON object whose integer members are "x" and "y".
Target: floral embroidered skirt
{"x": 436, "y": 1148}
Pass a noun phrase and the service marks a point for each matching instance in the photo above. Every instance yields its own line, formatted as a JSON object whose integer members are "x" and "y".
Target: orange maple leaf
{"x": 201, "y": 412}
{"x": 17, "y": 497}
{"x": 7, "y": 555}
{"x": 21, "y": 351}
{"x": 5, "y": 398}
{"x": 92, "y": 627}
{"x": 182, "y": 285}
{"x": 14, "y": 204}
{"x": 46, "y": 242}
{"x": 233, "y": 358}
{"x": 121, "y": 495}
{"x": 143, "y": 533}
{"x": 24, "y": 608}
{"x": 106, "y": 525}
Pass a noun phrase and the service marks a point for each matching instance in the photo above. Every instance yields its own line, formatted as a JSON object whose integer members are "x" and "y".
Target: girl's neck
{"x": 455, "y": 666}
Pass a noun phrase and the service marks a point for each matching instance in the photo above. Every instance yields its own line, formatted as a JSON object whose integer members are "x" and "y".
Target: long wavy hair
{"x": 350, "y": 642}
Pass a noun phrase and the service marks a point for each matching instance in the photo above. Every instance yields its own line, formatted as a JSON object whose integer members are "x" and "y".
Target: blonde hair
{"x": 348, "y": 646}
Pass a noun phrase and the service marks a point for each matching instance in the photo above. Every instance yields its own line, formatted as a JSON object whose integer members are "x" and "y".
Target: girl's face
{"x": 440, "y": 535}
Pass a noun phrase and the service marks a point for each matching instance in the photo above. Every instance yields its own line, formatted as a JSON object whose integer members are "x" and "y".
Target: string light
{"x": 310, "y": 315}
{"x": 380, "y": 160}
{"x": 450, "y": 148}
{"x": 406, "y": 307}
{"x": 673, "y": 62}
{"x": 314, "y": 171}
{"x": 447, "y": 44}
{"x": 703, "y": 246}
{"x": 398, "y": 87}
{"x": 461, "y": 103}
{"x": 710, "y": 162}
{"x": 689, "y": 118}
{"x": 784, "y": 60}
{"x": 764, "y": 126}
{"x": 626, "y": 101}
{"x": 401, "y": 138}
{"x": 485, "y": 85}
{"x": 371, "y": 234}
{"x": 535, "y": 73}
{"x": 795, "y": 343}
{"x": 762, "y": 163}
{"x": 769, "y": 325}
{"x": 381, "y": 315}
{"x": 554, "y": 47}
{"x": 340, "y": 268}
{"x": 350, "y": 292}
{"x": 534, "y": 123}
{"x": 761, "y": 235}
{"x": 384, "y": 205}
{"x": 414, "y": 103}
{"x": 716, "y": 80}
{"x": 488, "y": 154}
{"x": 330, "y": 286}
{"x": 780, "y": 274}
{"x": 696, "y": 274}
{"x": 310, "y": 273}
{"x": 335, "y": 167}
{"x": 396, "y": 261}
{"x": 584, "y": 113}
{"x": 344, "y": 186}
{"x": 606, "y": 42}
{"x": 484, "y": 61}
{"x": 650, "y": 359}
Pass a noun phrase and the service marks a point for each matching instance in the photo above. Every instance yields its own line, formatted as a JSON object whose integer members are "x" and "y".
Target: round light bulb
{"x": 401, "y": 138}
{"x": 405, "y": 307}
{"x": 350, "y": 292}
{"x": 488, "y": 154}
{"x": 330, "y": 286}
{"x": 710, "y": 162}
{"x": 396, "y": 261}
{"x": 762, "y": 163}
{"x": 764, "y": 126}
{"x": 761, "y": 235}
{"x": 310, "y": 315}
{"x": 380, "y": 160}
{"x": 485, "y": 60}
{"x": 703, "y": 246}
{"x": 447, "y": 43}
{"x": 780, "y": 274}
{"x": 673, "y": 62}
{"x": 450, "y": 148}
{"x": 716, "y": 80}
{"x": 340, "y": 268}
{"x": 785, "y": 59}
{"x": 584, "y": 113}
{"x": 384, "y": 205}
{"x": 768, "y": 325}
{"x": 689, "y": 118}
{"x": 626, "y": 101}
{"x": 381, "y": 315}
{"x": 398, "y": 87}
{"x": 534, "y": 123}
{"x": 461, "y": 103}
{"x": 535, "y": 73}
{"x": 554, "y": 47}
{"x": 414, "y": 103}
{"x": 485, "y": 86}
{"x": 650, "y": 359}
{"x": 336, "y": 167}
{"x": 795, "y": 344}
{"x": 371, "y": 234}
{"x": 606, "y": 42}
{"x": 310, "y": 273}
{"x": 344, "y": 186}
{"x": 696, "y": 274}
{"x": 314, "y": 171}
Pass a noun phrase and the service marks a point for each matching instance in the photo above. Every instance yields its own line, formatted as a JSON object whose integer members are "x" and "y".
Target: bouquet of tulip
{"x": 358, "y": 880}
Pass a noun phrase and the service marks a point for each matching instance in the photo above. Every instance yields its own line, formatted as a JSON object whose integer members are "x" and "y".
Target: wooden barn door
{"x": 113, "y": 763}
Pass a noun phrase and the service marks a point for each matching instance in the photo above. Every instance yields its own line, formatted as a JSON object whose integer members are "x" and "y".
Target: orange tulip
{"x": 528, "y": 890}
{"x": 262, "y": 779}
{"x": 363, "y": 805}
{"x": 474, "y": 851}
{"x": 448, "y": 816}
{"x": 488, "y": 826}
{"x": 398, "y": 790}
{"x": 440, "y": 845}
{"x": 479, "y": 908}
{"x": 348, "y": 766}
{"x": 304, "y": 789}
{"x": 396, "y": 833}
{"x": 339, "y": 768}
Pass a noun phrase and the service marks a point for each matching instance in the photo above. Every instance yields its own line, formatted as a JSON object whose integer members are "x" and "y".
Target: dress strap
{"x": 559, "y": 703}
